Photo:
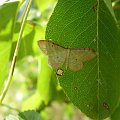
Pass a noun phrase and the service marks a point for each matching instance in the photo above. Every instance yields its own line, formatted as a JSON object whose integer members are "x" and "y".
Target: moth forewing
{"x": 88, "y": 54}
{"x": 43, "y": 46}
{"x": 56, "y": 54}
{"x": 56, "y": 60}
{"x": 75, "y": 62}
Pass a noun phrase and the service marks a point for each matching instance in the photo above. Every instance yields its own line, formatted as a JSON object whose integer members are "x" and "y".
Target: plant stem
{"x": 16, "y": 51}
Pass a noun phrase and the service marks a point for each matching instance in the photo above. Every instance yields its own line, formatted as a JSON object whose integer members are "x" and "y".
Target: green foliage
{"x": 73, "y": 24}
{"x": 7, "y": 22}
{"x": 89, "y": 24}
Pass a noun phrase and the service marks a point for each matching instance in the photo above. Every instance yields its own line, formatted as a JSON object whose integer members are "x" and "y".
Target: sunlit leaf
{"x": 28, "y": 46}
{"x": 44, "y": 4}
{"x": 30, "y": 103}
{"x": 7, "y": 19}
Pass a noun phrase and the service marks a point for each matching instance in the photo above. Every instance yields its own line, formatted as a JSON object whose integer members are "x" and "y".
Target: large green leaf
{"x": 7, "y": 19}
{"x": 83, "y": 24}
{"x": 116, "y": 113}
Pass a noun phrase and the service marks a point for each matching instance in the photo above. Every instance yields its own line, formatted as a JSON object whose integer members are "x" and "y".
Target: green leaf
{"x": 30, "y": 103}
{"x": 89, "y": 24}
{"x": 7, "y": 19}
{"x": 29, "y": 115}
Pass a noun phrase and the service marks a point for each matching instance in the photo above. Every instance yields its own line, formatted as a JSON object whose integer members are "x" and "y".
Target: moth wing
{"x": 78, "y": 56}
{"x": 75, "y": 65}
{"x": 43, "y": 46}
{"x": 56, "y": 54}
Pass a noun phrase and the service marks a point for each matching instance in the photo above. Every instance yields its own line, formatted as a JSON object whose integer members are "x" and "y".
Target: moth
{"x": 71, "y": 58}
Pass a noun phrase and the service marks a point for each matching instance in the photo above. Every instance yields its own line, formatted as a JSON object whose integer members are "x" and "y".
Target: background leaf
{"x": 7, "y": 19}
{"x": 29, "y": 115}
{"x": 13, "y": 117}
{"x": 41, "y": 4}
{"x": 83, "y": 24}
{"x": 31, "y": 34}
{"x": 47, "y": 82}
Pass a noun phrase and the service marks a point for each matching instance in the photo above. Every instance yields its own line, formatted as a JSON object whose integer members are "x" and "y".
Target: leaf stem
{"x": 98, "y": 62}
{"x": 7, "y": 84}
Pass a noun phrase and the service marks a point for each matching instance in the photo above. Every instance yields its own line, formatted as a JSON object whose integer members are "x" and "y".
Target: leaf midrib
{"x": 98, "y": 62}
